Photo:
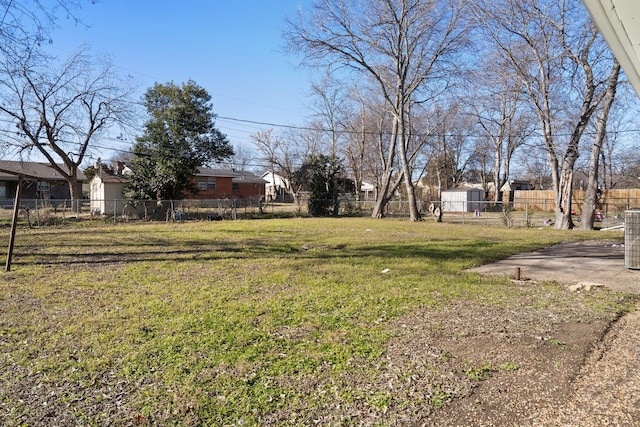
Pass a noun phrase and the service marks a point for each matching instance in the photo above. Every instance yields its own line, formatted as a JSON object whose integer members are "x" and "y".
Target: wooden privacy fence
{"x": 617, "y": 200}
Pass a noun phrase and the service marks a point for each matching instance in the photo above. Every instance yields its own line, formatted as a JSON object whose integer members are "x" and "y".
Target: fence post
{"x": 37, "y": 213}
{"x": 14, "y": 224}
{"x": 526, "y": 214}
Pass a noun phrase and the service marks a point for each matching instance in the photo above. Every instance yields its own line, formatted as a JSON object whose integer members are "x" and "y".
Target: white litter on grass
{"x": 386, "y": 270}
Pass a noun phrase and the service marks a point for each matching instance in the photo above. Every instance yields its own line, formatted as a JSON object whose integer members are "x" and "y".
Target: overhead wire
{"x": 258, "y": 125}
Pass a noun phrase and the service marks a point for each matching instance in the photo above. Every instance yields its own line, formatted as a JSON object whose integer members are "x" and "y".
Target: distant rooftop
{"x": 11, "y": 169}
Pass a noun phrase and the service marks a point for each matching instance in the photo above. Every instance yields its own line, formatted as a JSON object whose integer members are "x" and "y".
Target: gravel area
{"x": 607, "y": 391}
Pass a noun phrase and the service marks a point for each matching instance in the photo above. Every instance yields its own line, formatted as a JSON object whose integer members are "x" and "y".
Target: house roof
{"x": 237, "y": 176}
{"x": 617, "y": 20}
{"x": 366, "y": 186}
{"x": 11, "y": 169}
{"x": 274, "y": 179}
{"x": 202, "y": 171}
{"x": 249, "y": 179}
{"x": 508, "y": 186}
{"x": 112, "y": 179}
{"x": 461, "y": 190}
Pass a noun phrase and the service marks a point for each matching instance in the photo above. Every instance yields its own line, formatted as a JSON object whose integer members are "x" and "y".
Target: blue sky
{"x": 234, "y": 49}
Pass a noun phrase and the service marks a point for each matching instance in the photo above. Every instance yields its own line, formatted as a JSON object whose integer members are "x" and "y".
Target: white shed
{"x": 462, "y": 200}
{"x": 106, "y": 194}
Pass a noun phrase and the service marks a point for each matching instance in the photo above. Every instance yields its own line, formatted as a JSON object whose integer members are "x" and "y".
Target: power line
{"x": 346, "y": 131}
{"x": 12, "y": 135}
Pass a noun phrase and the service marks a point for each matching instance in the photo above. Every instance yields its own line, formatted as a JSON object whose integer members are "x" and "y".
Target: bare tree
{"x": 283, "y": 155}
{"x": 452, "y": 147}
{"x": 591, "y": 193}
{"x": 401, "y": 45}
{"x": 367, "y": 128}
{"x": 619, "y": 155}
{"x": 57, "y": 111}
{"x": 357, "y": 145}
{"x": 241, "y": 160}
{"x": 329, "y": 106}
{"x": 555, "y": 50}
{"x": 25, "y": 22}
{"x": 268, "y": 149}
{"x": 502, "y": 114}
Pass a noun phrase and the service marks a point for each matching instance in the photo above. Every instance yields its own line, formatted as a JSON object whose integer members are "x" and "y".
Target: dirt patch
{"x": 515, "y": 375}
{"x": 469, "y": 364}
{"x": 579, "y": 374}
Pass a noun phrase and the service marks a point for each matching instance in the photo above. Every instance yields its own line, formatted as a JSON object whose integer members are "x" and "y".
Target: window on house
{"x": 235, "y": 186}
{"x": 43, "y": 186}
{"x": 211, "y": 183}
{"x": 202, "y": 183}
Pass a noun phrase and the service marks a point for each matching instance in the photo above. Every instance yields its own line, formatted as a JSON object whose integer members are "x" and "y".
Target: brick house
{"x": 227, "y": 184}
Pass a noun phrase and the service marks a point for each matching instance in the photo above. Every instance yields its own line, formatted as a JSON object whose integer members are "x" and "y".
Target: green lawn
{"x": 231, "y": 323}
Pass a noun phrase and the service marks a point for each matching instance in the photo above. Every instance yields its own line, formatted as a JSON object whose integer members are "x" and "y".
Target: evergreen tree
{"x": 322, "y": 177}
{"x": 179, "y": 136}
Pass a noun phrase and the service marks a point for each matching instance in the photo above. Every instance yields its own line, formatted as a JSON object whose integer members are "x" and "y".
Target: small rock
{"x": 587, "y": 286}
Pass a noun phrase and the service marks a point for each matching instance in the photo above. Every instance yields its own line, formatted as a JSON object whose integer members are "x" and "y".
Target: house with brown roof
{"x": 41, "y": 181}
{"x": 227, "y": 184}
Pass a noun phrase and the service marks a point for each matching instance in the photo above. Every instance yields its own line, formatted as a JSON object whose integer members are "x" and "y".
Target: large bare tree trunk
{"x": 563, "y": 197}
{"x": 414, "y": 215}
{"x": 497, "y": 164}
{"x": 591, "y": 194}
{"x": 75, "y": 191}
{"x": 384, "y": 191}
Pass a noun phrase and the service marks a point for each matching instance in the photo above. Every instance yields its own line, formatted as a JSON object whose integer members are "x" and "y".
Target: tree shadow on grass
{"x": 156, "y": 253}
{"x": 440, "y": 252}
{"x": 479, "y": 251}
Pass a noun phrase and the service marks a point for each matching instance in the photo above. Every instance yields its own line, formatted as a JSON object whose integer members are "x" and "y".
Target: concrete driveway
{"x": 590, "y": 263}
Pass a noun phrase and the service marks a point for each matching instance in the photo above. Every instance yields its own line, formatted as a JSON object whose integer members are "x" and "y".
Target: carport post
{"x": 14, "y": 224}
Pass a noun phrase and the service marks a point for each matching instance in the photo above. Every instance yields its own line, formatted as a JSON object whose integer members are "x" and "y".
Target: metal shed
{"x": 462, "y": 200}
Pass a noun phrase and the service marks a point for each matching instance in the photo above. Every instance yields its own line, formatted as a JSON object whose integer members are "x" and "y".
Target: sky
{"x": 234, "y": 49}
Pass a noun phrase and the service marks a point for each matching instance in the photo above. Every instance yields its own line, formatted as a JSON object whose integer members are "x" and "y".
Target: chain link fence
{"x": 38, "y": 213}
